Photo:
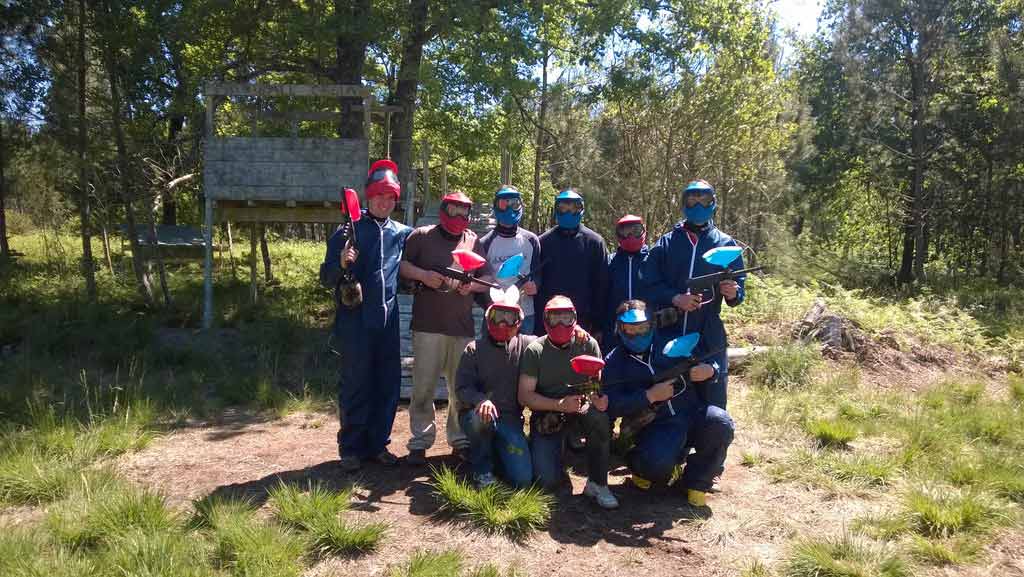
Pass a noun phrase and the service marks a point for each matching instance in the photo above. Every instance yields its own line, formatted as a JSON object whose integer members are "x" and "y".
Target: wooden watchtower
{"x": 291, "y": 179}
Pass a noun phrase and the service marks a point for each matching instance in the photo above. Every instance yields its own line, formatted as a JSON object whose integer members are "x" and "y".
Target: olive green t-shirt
{"x": 551, "y": 366}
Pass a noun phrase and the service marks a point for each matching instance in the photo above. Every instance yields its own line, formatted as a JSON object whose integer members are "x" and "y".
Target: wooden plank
{"x": 309, "y": 214}
{"x": 265, "y": 90}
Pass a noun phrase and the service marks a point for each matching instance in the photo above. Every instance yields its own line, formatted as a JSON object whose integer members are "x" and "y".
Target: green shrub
{"x": 945, "y": 552}
{"x": 784, "y": 367}
{"x": 33, "y": 477}
{"x": 943, "y": 512}
{"x": 249, "y": 547}
{"x": 316, "y": 512}
{"x": 100, "y": 513}
{"x": 159, "y": 554}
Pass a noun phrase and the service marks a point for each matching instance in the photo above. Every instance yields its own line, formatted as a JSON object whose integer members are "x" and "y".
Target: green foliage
{"x": 783, "y": 367}
{"x": 831, "y": 432}
{"x": 1016, "y": 383}
{"x": 429, "y": 564}
{"x": 496, "y": 508}
{"x": 757, "y": 568}
{"x": 106, "y": 511}
{"x": 32, "y": 477}
{"x": 944, "y": 552}
{"x": 844, "y": 556}
{"x": 155, "y": 554}
{"x": 316, "y": 512}
{"x": 248, "y": 547}
{"x": 942, "y": 512}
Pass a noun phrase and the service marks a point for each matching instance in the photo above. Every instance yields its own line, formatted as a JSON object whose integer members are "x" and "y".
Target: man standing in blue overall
{"x": 367, "y": 333}
{"x": 664, "y": 418}
{"x": 672, "y": 262}
{"x": 624, "y": 272}
{"x": 579, "y": 264}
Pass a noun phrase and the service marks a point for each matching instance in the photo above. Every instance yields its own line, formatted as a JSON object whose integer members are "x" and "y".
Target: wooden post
{"x": 387, "y": 134}
{"x": 208, "y": 230}
{"x": 253, "y": 240}
{"x": 231, "y": 250}
{"x": 410, "y": 199}
{"x": 367, "y": 121}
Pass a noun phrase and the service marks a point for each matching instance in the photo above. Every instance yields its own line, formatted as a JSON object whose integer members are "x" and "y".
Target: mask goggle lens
{"x": 512, "y": 204}
{"x": 383, "y": 174}
{"x": 634, "y": 230}
{"x": 503, "y": 317}
{"x": 703, "y": 197}
{"x": 631, "y": 330}
{"x": 569, "y": 206}
{"x": 456, "y": 210}
{"x": 564, "y": 317}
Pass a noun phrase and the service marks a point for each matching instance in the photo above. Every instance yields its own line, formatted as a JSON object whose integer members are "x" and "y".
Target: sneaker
{"x": 386, "y": 457}
{"x": 696, "y": 498}
{"x": 417, "y": 457}
{"x": 602, "y": 494}
{"x": 350, "y": 463}
{"x": 484, "y": 480}
{"x": 716, "y": 484}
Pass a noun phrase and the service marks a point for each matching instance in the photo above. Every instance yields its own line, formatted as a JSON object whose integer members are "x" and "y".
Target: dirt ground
{"x": 655, "y": 534}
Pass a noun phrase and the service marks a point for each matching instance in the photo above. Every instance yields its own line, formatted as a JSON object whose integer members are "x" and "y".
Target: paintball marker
{"x": 589, "y": 367}
{"x": 721, "y": 256}
{"x": 469, "y": 261}
{"x": 350, "y": 292}
{"x": 510, "y": 268}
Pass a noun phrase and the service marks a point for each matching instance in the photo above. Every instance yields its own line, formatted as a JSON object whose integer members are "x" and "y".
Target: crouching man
{"x": 488, "y": 400}
{"x": 664, "y": 420}
{"x": 545, "y": 386}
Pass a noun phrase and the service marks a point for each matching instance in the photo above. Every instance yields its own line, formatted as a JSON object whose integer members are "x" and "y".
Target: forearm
{"x": 538, "y": 402}
{"x": 410, "y": 271}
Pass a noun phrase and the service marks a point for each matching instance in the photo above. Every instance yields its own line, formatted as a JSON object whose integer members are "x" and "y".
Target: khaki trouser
{"x": 435, "y": 354}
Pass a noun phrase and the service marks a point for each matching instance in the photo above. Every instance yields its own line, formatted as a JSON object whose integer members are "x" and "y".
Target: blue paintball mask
{"x": 635, "y": 331}
{"x": 699, "y": 202}
{"x": 508, "y": 206}
{"x": 568, "y": 209}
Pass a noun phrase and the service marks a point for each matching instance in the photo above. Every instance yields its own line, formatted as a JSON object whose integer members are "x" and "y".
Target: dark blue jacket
{"x": 623, "y": 282}
{"x": 380, "y": 245}
{"x": 675, "y": 259}
{"x": 629, "y": 376}
{"x": 578, "y": 269}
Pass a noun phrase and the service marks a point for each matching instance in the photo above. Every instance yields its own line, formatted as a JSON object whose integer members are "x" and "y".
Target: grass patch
{"x": 495, "y": 509}
{"x": 845, "y": 556}
{"x": 752, "y": 459}
{"x": 943, "y": 552}
{"x": 248, "y": 547}
{"x": 1016, "y": 383}
{"x": 943, "y": 512}
{"x": 784, "y": 367}
{"x": 757, "y": 568}
{"x": 160, "y": 554}
{"x": 316, "y": 513}
{"x": 831, "y": 433}
{"x": 429, "y": 564}
{"x": 107, "y": 510}
{"x": 32, "y": 477}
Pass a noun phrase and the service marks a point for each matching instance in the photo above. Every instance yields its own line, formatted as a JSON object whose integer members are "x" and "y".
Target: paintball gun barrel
{"x": 525, "y": 278}
{"x": 711, "y": 280}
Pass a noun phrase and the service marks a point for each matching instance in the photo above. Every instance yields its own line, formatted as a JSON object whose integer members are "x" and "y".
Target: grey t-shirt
{"x": 501, "y": 249}
{"x": 551, "y": 365}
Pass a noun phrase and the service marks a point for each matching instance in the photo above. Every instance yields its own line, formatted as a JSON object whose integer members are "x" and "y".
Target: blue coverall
{"x": 672, "y": 261}
{"x": 368, "y": 338}
{"x": 623, "y": 285}
{"x": 681, "y": 422}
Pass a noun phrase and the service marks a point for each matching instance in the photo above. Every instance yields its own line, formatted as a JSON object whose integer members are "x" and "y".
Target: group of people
{"x": 586, "y": 302}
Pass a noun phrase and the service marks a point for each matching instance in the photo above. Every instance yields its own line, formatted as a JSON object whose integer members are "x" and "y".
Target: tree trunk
{"x": 351, "y": 56}
{"x": 142, "y": 279}
{"x": 408, "y": 84}
{"x": 538, "y": 157}
{"x": 268, "y": 273}
{"x": 106, "y": 250}
{"x": 5, "y": 249}
{"x": 88, "y": 269}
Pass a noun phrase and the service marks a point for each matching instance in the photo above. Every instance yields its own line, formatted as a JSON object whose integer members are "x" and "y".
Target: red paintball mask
{"x": 382, "y": 180}
{"x": 503, "y": 321}
{"x": 560, "y": 322}
{"x": 455, "y": 213}
{"x": 631, "y": 232}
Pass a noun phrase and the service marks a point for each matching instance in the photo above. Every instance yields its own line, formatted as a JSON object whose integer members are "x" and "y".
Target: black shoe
{"x": 416, "y": 457}
{"x": 350, "y": 463}
{"x": 386, "y": 457}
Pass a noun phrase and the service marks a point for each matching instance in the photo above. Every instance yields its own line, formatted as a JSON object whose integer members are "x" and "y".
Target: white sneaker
{"x": 602, "y": 494}
{"x": 484, "y": 480}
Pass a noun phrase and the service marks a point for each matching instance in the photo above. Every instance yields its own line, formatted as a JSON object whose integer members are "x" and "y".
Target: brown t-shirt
{"x": 434, "y": 311}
